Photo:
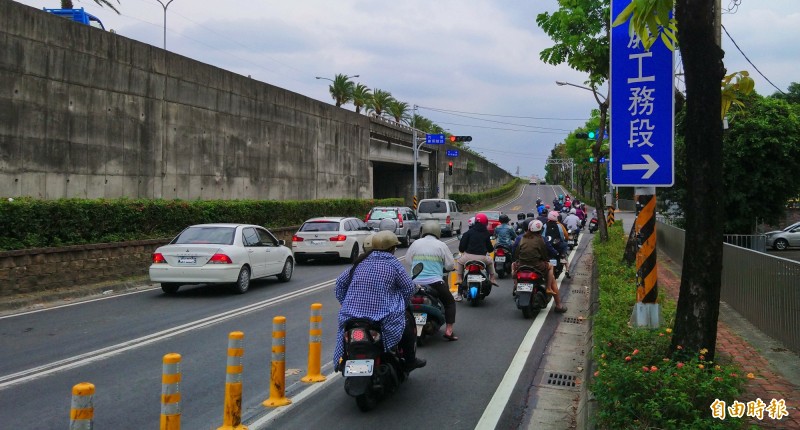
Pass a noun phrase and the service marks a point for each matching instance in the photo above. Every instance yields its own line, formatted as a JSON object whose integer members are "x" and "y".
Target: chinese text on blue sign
{"x": 642, "y": 109}
{"x": 434, "y": 139}
{"x": 452, "y": 152}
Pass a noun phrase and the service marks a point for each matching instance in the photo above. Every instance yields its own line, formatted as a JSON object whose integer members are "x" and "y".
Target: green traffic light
{"x": 591, "y": 159}
{"x": 591, "y": 135}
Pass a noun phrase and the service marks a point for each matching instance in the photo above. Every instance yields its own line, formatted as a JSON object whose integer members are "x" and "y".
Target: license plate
{"x": 187, "y": 260}
{"x": 317, "y": 242}
{"x": 358, "y": 367}
{"x": 524, "y": 288}
{"x": 474, "y": 278}
{"x": 500, "y": 259}
{"x": 420, "y": 318}
{"x": 554, "y": 262}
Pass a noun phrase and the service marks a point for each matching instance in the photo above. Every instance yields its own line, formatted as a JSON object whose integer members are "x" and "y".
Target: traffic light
{"x": 591, "y": 135}
{"x": 461, "y": 138}
{"x": 450, "y": 168}
{"x": 581, "y": 135}
{"x": 599, "y": 160}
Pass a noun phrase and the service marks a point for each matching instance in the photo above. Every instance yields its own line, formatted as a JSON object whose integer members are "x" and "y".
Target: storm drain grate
{"x": 580, "y": 291}
{"x": 560, "y": 379}
{"x": 572, "y": 320}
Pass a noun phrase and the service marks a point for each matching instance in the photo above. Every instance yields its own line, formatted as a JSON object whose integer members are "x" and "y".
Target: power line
{"x": 751, "y": 63}
{"x": 501, "y": 116}
{"x": 504, "y": 123}
{"x": 503, "y": 129}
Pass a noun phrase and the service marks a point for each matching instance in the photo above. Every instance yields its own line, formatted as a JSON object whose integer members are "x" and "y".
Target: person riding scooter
{"x": 476, "y": 244}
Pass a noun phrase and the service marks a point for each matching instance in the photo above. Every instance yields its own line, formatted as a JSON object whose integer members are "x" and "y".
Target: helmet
{"x": 482, "y": 219}
{"x": 520, "y": 216}
{"x": 531, "y": 215}
{"x": 538, "y": 201}
{"x": 535, "y": 226}
{"x": 384, "y": 240}
{"x": 572, "y": 211}
{"x": 368, "y": 243}
{"x": 471, "y": 221}
{"x": 561, "y": 197}
{"x": 552, "y": 216}
{"x": 431, "y": 227}
{"x": 504, "y": 219}
{"x": 547, "y": 207}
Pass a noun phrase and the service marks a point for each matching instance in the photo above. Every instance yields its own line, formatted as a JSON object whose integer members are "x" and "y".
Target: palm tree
{"x": 380, "y": 101}
{"x": 67, "y": 4}
{"x": 423, "y": 124}
{"x": 361, "y": 96}
{"x": 398, "y": 110}
{"x": 342, "y": 89}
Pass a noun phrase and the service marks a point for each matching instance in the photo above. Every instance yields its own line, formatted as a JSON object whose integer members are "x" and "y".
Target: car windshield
{"x": 792, "y": 227}
{"x": 213, "y": 235}
{"x": 493, "y": 216}
{"x": 320, "y": 226}
{"x": 437, "y": 207}
{"x": 382, "y": 213}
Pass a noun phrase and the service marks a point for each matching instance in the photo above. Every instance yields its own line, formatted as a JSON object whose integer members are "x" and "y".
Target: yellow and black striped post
{"x": 315, "y": 346}
{"x": 646, "y": 264}
{"x": 232, "y": 414}
{"x": 415, "y": 203}
{"x": 610, "y": 216}
{"x": 81, "y": 412}
{"x": 277, "y": 380}
{"x": 171, "y": 392}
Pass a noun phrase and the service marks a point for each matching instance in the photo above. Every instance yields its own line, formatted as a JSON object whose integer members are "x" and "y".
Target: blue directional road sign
{"x": 434, "y": 139}
{"x": 452, "y": 152}
{"x": 642, "y": 106}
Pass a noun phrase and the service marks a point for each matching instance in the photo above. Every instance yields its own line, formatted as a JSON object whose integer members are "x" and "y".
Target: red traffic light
{"x": 452, "y": 139}
{"x": 450, "y": 164}
{"x": 461, "y": 138}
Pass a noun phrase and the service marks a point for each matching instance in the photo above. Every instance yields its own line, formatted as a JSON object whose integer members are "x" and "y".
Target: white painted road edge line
{"x": 296, "y": 400}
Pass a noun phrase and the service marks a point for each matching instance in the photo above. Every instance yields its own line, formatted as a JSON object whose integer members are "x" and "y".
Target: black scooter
{"x": 531, "y": 292}
{"x": 502, "y": 260}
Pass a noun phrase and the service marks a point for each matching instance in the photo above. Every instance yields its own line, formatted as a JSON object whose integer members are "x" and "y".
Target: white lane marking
{"x": 262, "y": 422}
{"x": 77, "y": 302}
{"x": 102, "y": 353}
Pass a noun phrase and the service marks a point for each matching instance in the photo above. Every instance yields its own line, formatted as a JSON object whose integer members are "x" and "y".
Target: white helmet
{"x": 572, "y": 211}
{"x": 535, "y": 226}
{"x": 471, "y": 221}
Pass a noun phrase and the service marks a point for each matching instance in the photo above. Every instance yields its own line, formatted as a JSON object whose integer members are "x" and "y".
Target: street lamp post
{"x": 329, "y": 79}
{"x": 561, "y": 84}
{"x": 165, "y": 6}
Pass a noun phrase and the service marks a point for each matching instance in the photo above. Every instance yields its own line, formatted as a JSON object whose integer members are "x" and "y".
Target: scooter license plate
{"x": 474, "y": 278}
{"x": 420, "y": 318}
{"x": 358, "y": 367}
{"x": 500, "y": 259}
{"x": 554, "y": 262}
{"x": 524, "y": 288}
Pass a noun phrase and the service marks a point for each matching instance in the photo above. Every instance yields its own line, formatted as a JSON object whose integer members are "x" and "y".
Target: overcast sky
{"x": 474, "y": 56}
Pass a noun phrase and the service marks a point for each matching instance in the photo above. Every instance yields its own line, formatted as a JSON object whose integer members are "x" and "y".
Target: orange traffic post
{"x": 81, "y": 412}
{"x": 315, "y": 346}
{"x": 171, "y": 392}
{"x": 453, "y": 280}
{"x": 277, "y": 380}
{"x": 232, "y": 415}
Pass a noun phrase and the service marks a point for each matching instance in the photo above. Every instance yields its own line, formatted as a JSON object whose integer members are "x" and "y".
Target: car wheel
{"x": 407, "y": 240}
{"x": 781, "y": 244}
{"x": 286, "y": 273}
{"x": 354, "y": 254}
{"x": 170, "y": 287}
{"x": 459, "y": 229}
{"x": 243, "y": 282}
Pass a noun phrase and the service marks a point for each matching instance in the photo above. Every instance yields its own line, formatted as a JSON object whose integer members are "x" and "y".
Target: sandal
{"x": 451, "y": 338}
{"x": 560, "y": 309}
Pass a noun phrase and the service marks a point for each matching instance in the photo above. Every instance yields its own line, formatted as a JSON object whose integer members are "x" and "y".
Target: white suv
{"x": 442, "y": 210}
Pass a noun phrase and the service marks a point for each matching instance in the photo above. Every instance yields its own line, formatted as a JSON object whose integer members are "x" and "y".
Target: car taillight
{"x": 338, "y": 238}
{"x": 499, "y": 251}
{"x": 366, "y": 218}
{"x": 158, "y": 258}
{"x": 417, "y": 300}
{"x": 447, "y": 221}
{"x": 296, "y": 238}
{"x": 472, "y": 268}
{"x": 400, "y": 220}
{"x": 220, "y": 259}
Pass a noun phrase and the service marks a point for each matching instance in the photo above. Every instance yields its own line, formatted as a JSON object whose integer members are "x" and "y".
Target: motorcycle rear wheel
{"x": 366, "y": 402}
{"x": 529, "y": 313}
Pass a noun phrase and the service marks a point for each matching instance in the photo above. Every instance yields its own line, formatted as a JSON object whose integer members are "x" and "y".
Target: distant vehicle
{"x": 783, "y": 239}
{"x": 408, "y": 226}
{"x": 542, "y": 182}
{"x": 494, "y": 220}
{"x": 330, "y": 238}
{"x": 78, "y": 15}
{"x": 441, "y": 210}
{"x": 220, "y": 254}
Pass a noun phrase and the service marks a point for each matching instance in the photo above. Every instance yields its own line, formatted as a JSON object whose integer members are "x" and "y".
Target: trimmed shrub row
{"x": 30, "y": 223}
{"x": 467, "y": 199}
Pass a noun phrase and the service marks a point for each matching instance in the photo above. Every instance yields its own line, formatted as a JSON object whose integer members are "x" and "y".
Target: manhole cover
{"x": 572, "y": 320}
{"x": 560, "y": 379}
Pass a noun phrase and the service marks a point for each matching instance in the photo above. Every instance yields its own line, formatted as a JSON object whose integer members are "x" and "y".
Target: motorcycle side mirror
{"x": 456, "y": 255}
{"x": 416, "y": 270}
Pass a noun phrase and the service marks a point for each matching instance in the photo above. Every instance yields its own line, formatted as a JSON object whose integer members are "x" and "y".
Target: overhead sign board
{"x": 452, "y": 152}
{"x": 434, "y": 139}
{"x": 642, "y": 110}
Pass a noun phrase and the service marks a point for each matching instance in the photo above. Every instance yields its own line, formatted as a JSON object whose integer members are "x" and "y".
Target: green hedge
{"x": 31, "y": 223}
{"x": 466, "y": 199}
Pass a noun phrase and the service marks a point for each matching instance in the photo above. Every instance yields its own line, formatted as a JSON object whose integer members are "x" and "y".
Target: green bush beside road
{"x": 466, "y": 201}
{"x": 30, "y": 223}
{"x": 637, "y": 384}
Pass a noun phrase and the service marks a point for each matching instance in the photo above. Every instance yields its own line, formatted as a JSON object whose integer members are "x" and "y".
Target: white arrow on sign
{"x": 651, "y": 166}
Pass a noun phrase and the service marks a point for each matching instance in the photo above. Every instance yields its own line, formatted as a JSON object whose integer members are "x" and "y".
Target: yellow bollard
{"x": 171, "y": 392}
{"x": 453, "y": 280}
{"x": 81, "y": 412}
{"x": 232, "y": 415}
{"x": 277, "y": 380}
{"x": 315, "y": 346}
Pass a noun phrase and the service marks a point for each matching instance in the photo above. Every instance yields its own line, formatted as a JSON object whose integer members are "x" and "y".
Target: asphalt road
{"x": 117, "y": 343}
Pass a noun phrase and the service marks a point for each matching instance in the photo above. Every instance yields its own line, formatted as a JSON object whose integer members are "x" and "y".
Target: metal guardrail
{"x": 756, "y": 242}
{"x": 762, "y": 288}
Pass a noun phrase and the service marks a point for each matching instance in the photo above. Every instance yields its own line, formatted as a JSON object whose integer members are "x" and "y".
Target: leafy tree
{"x": 792, "y": 95}
{"x": 580, "y": 29}
{"x": 67, "y": 4}
{"x": 761, "y": 160}
{"x": 398, "y": 110}
{"x": 380, "y": 101}
{"x": 361, "y": 96}
{"x": 341, "y": 89}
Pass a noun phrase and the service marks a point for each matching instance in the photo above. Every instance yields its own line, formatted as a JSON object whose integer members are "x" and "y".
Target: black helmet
{"x": 531, "y": 215}
{"x": 504, "y": 219}
{"x": 520, "y": 216}
{"x": 538, "y": 201}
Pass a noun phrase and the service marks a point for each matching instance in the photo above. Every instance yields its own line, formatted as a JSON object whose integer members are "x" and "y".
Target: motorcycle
{"x": 428, "y": 311}
{"x": 573, "y": 238}
{"x": 502, "y": 260}
{"x": 370, "y": 372}
{"x": 593, "y": 225}
{"x": 558, "y": 261}
{"x": 475, "y": 283}
{"x": 531, "y": 292}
